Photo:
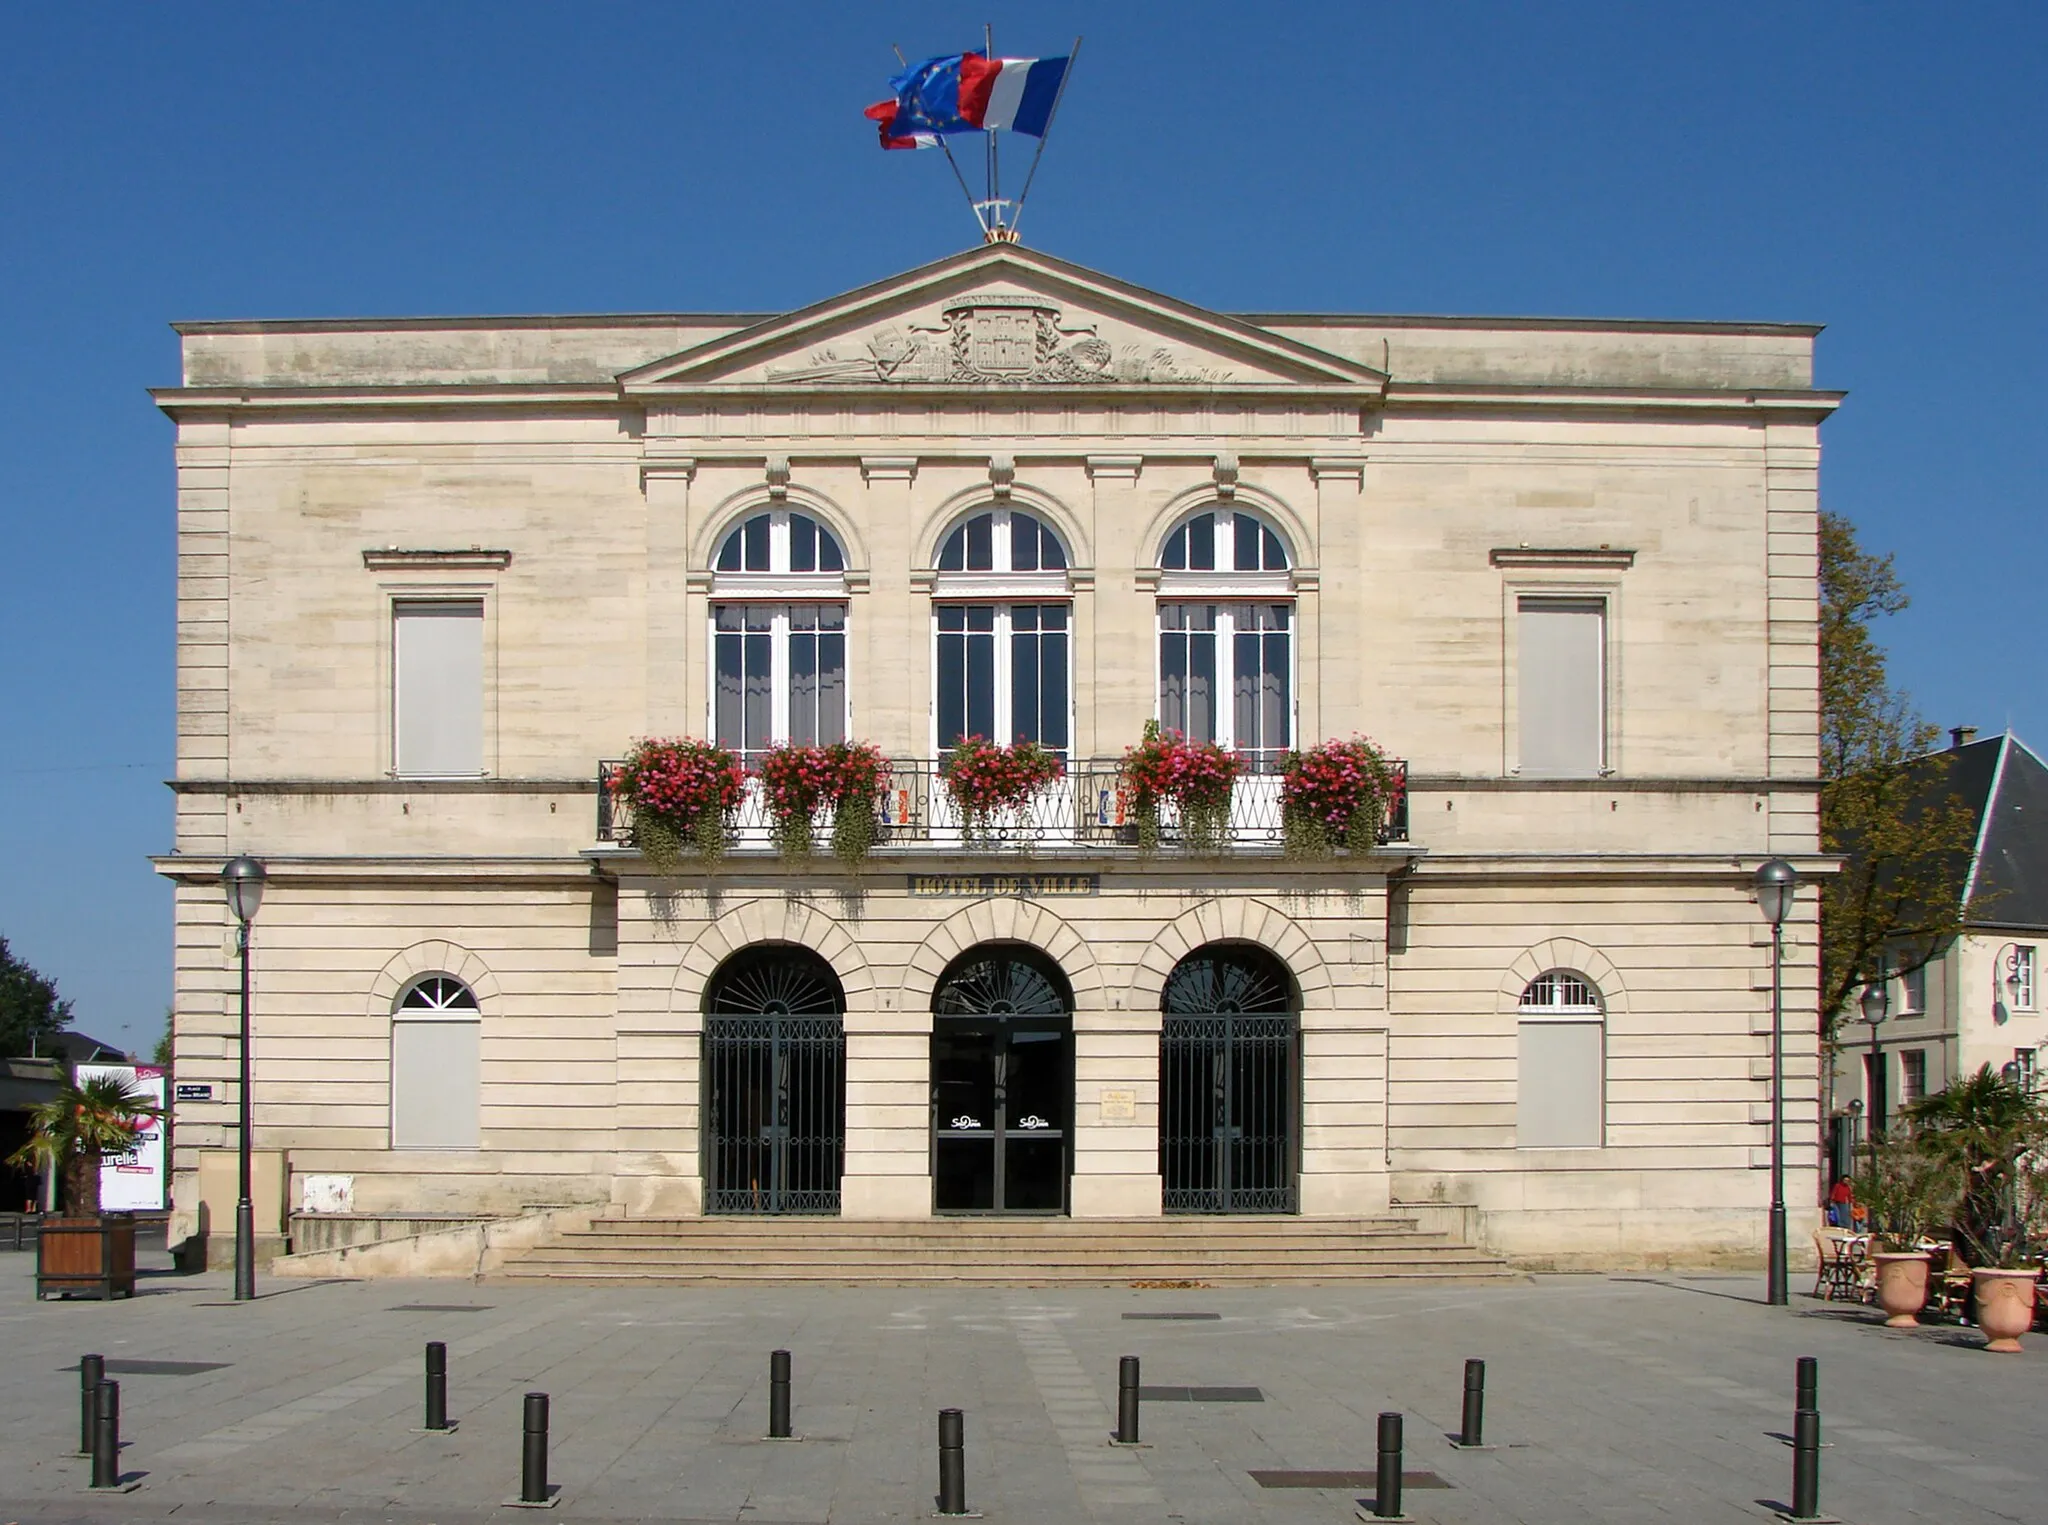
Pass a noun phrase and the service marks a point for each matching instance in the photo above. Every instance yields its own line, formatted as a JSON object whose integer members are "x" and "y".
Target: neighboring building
{"x": 1979, "y": 1001}
{"x": 25, "y": 1084}
{"x": 434, "y": 572}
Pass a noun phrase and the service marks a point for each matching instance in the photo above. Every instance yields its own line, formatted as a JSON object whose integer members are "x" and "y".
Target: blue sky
{"x": 1878, "y": 168}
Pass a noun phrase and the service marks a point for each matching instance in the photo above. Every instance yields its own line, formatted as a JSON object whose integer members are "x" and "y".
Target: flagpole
{"x": 1051, "y": 116}
{"x": 979, "y": 221}
{"x": 995, "y": 205}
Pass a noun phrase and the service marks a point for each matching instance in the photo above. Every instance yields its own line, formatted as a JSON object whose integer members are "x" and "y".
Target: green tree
{"x": 29, "y": 1007}
{"x": 1898, "y": 900}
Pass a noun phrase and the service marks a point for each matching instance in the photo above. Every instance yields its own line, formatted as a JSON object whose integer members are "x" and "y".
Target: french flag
{"x": 966, "y": 92}
{"x": 1013, "y": 94}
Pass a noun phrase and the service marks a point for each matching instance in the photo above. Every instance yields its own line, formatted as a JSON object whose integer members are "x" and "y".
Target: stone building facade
{"x": 434, "y": 573}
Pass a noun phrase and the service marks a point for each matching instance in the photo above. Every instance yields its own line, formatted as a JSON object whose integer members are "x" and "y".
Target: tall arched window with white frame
{"x": 1226, "y": 635}
{"x": 1002, "y": 632}
{"x": 778, "y": 634}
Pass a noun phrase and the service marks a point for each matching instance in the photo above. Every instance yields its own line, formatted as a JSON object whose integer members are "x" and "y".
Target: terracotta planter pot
{"x": 2005, "y": 1306}
{"x": 1901, "y": 1286}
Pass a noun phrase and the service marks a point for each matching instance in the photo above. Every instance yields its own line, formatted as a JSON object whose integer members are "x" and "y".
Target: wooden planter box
{"x": 89, "y": 1255}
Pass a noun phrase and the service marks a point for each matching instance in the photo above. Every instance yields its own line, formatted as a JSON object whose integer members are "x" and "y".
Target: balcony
{"x": 1078, "y": 812}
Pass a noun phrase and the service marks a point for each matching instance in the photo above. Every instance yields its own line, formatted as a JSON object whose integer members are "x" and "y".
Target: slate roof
{"x": 2005, "y": 784}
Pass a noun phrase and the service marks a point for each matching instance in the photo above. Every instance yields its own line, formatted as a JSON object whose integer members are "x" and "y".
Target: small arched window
{"x": 1003, "y": 540}
{"x": 436, "y": 1065}
{"x": 1224, "y": 540}
{"x": 780, "y": 541}
{"x": 1561, "y": 1063}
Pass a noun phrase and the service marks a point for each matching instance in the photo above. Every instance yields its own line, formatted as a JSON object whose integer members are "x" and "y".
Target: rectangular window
{"x": 1561, "y": 714}
{"x": 1242, "y": 651}
{"x": 435, "y": 1084}
{"x": 1561, "y": 1084}
{"x": 1912, "y": 1075}
{"x": 778, "y": 674}
{"x": 1001, "y": 671}
{"x": 2020, "y": 968}
{"x": 1913, "y": 992}
{"x": 1877, "y": 1099}
{"x": 438, "y": 688}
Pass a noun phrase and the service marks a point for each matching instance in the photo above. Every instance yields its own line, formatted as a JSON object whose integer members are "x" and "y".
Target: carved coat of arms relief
{"x": 993, "y": 339}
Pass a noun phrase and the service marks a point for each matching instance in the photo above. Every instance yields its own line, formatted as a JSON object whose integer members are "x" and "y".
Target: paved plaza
{"x": 1625, "y": 1398}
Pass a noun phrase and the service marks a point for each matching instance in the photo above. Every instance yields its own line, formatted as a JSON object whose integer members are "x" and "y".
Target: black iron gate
{"x": 1230, "y": 1086}
{"x": 774, "y": 1087}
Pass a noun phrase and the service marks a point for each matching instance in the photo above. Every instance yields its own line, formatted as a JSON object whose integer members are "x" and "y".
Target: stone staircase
{"x": 1195, "y": 1252}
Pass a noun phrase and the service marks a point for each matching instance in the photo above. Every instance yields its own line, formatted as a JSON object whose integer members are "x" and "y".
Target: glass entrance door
{"x": 1002, "y": 1090}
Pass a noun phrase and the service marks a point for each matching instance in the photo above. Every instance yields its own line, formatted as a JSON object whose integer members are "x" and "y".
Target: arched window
{"x": 1560, "y": 1063}
{"x": 436, "y": 1064}
{"x": 1003, "y": 540}
{"x": 1001, "y": 632}
{"x": 778, "y": 634}
{"x": 1229, "y": 1083}
{"x": 1226, "y": 635}
{"x": 774, "y": 1083}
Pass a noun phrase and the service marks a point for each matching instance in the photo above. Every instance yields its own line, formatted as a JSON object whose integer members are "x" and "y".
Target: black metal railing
{"x": 1081, "y": 809}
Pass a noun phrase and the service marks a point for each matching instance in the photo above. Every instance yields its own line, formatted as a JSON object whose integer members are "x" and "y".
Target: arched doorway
{"x": 774, "y": 1083}
{"x": 1230, "y": 1083}
{"x": 1002, "y": 1083}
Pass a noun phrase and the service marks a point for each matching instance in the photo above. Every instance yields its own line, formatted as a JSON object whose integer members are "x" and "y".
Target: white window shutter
{"x": 1560, "y": 1080}
{"x": 438, "y": 709}
{"x": 1562, "y": 715}
{"x": 435, "y": 1084}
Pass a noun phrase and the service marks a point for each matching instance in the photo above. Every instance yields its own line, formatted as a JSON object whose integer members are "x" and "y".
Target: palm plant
{"x": 75, "y": 1129}
{"x": 1991, "y": 1134}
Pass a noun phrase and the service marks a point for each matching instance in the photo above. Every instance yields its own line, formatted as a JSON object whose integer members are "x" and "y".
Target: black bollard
{"x": 92, "y": 1370}
{"x": 778, "y": 1395}
{"x": 533, "y": 1456}
{"x": 1386, "y": 1504}
{"x": 952, "y": 1462}
{"x": 1472, "y": 1427}
{"x": 1808, "y": 1395}
{"x": 1127, "y": 1401}
{"x": 1806, "y": 1465}
{"x": 106, "y": 1435}
{"x": 437, "y": 1386}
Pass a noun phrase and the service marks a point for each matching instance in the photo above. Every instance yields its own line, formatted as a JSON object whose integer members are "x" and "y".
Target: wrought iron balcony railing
{"x": 1079, "y": 810}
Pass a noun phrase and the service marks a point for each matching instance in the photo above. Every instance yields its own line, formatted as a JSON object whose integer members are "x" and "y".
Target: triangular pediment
{"x": 1003, "y": 317}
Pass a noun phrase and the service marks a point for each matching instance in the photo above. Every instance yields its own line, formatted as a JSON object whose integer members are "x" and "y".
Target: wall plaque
{"x": 1119, "y": 1105}
{"x": 1031, "y": 886}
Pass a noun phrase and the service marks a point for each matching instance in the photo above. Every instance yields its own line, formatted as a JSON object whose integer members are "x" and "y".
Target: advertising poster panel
{"x": 134, "y": 1181}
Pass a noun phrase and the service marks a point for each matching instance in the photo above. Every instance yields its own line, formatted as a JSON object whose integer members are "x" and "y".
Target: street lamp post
{"x": 1876, "y": 1003}
{"x": 242, "y": 879}
{"x": 1776, "y": 884}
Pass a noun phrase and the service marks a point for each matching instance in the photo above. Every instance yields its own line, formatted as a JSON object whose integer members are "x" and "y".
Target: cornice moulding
{"x": 1561, "y": 556}
{"x": 392, "y": 559}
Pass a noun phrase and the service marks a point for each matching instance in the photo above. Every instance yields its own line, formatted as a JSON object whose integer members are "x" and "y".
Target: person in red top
{"x": 1841, "y": 1203}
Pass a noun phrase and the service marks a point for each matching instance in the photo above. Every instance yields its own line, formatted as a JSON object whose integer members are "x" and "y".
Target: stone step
{"x": 1001, "y": 1251}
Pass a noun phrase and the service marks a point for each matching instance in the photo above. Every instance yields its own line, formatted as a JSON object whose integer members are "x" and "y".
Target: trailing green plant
{"x": 1197, "y": 777}
{"x": 78, "y": 1127}
{"x": 1336, "y": 795}
{"x": 680, "y": 791}
{"x": 859, "y": 774}
{"x": 985, "y": 780}
{"x": 1990, "y": 1135}
{"x": 796, "y": 782}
